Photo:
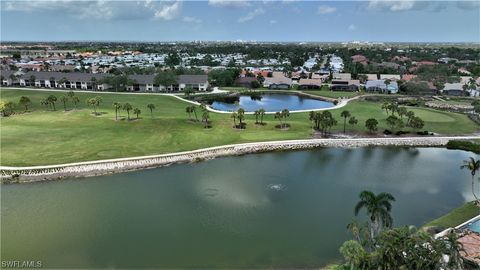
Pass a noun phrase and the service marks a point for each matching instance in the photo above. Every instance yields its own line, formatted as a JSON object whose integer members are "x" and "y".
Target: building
{"x": 309, "y": 84}
{"x": 381, "y": 87}
{"x": 245, "y": 81}
{"x": 345, "y": 85}
{"x": 95, "y": 81}
{"x": 277, "y": 81}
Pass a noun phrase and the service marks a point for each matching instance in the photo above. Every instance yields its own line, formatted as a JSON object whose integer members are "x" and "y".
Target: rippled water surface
{"x": 273, "y": 103}
{"x": 287, "y": 209}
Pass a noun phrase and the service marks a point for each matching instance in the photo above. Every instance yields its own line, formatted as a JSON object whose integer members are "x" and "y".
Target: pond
{"x": 282, "y": 210}
{"x": 273, "y": 103}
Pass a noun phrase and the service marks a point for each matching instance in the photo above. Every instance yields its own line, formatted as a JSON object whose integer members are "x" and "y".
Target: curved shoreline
{"x": 102, "y": 167}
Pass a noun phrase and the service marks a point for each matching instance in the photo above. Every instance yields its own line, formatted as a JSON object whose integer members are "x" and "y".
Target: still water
{"x": 287, "y": 209}
{"x": 273, "y": 103}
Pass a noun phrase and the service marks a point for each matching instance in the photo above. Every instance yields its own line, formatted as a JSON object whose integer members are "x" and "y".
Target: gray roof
{"x": 192, "y": 79}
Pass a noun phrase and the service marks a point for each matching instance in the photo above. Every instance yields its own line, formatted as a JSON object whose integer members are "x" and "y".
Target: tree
{"x": 24, "y": 101}
{"x": 93, "y": 82}
{"x": 44, "y": 101}
{"x": 166, "y": 79}
{"x": 92, "y": 102}
{"x": 416, "y": 123}
{"x": 51, "y": 100}
{"x": 137, "y": 111}
{"x": 234, "y": 116}
{"x": 62, "y": 82}
{"x": 257, "y": 114}
{"x": 127, "y": 107}
{"x": 64, "y": 100}
{"x": 394, "y": 122}
{"x": 278, "y": 115}
{"x": 188, "y": 110}
{"x": 151, "y": 107}
{"x": 345, "y": 114}
{"x": 402, "y": 111}
{"x": 352, "y": 121}
{"x": 117, "y": 106}
{"x": 7, "y": 108}
{"x": 386, "y": 106}
{"x": 188, "y": 90}
{"x": 205, "y": 117}
{"x": 241, "y": 117}
{"x": 262, "y": 113}
{"x": 378, "y": 209}
{"x": 410, "y": 115}
{"x": 193, "y": 109}
{"x": 52, "y": 81}
{"x": 285, "y": 114}
{"x": 473, "y": 166}
{"x": 371, "y": 124}
{"x": 353, "y": 253}
{"x": 75, "y": 100}
{"x": 71, "y": 94}
{"x": 31, "y": 80}
{"x": 172, "y": 59}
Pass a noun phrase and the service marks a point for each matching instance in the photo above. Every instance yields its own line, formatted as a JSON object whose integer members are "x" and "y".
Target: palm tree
{"x": 51, "y": 100}
{"x": 52, "y": 81}
{"x": 64, "y": 100}
{"x": 31, "y": 80}
{"x": 127, "y": 107}
{"x": 151, "y": 107}
{"x": 98, "y": 100}
{"x": 24, "y": 101}
{"x": 473, "y": 166}
{"x": 353, "y": 121}
{"x": 188, "y": 110}
{"x": 386, "y": 106}
{"x": 92, "y": 102}
{"x": 137, "y": 111}
{"x": 75, "y": 100}
{"x": 285, "y": 114}
{"x": 194, "y": 110}
{"x": 241, "y": 116}
{"x": 256, "y": 113}
{"x": 262, "y": 113}
{"x": 206, "y": 116}
{"x": 234, "y": 117}
{"x": 345, "y": 114}
{"x": 93, "y": 82}
{"x": 278, "y": 115}
{"x": 117, "y": 106}
{"x": 44, "y": 101}
{"x": 378, "y": 209}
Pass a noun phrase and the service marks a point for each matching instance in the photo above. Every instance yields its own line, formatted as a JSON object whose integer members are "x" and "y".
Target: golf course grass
{"x": 456, "y": 217}
{"x": 41, "y": 136}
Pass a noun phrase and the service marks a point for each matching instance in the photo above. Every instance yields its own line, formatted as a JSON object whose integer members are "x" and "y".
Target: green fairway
{"x": 332, "y": 94}
{"x": 43, "y": 137}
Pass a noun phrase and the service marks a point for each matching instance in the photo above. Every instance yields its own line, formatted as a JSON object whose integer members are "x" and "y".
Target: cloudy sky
{"x": 148, "y": 20}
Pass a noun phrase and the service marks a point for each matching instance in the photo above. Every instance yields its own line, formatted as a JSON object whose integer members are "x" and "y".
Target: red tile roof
{"x": 471, "y": 244}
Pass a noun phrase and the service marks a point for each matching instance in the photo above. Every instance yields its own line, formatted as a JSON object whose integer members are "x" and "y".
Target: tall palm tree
{"x": 64, "y": 100}
{"x": 241, "y": 116}
{"x": 278, "y": 115}
{"x": 345, "y": 114}
{"x": 151, "y": 107}
{"x": 92, "y": 102}
{"x": 285, "y": 114}
{"x": 256, "y": 113}
{"x": 206, "y": 116}
{"x": 137, "y": 111}
{"x": 188, "y": 110}
{"x": 51, "y": 100}
{"x": 127, "y": 107}
{"x": 117, "y": 106}
{"x": 378, "y": 209}
{"x": 262, "y": 113}
{"x": 194, "y": 110}
{"x": 234, "y": 117}
{"x": 473, "y": 166}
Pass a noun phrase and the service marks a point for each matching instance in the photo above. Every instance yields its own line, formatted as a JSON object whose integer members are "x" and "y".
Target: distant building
{"x": 380, "y": 86}
{"x": 345, "y": 85}
{"x": 310, "y": 84}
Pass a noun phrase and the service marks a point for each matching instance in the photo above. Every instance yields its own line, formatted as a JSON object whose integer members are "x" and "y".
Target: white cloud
{"x": 168, "y": 12}
{"x": 251, "y": 15}
{"x": 273, "y": 21}
{"x": 228, "y": 3}
{"x": 469, "y": 5}
{"x": 326, "y": 9}
{"x": 99, "y": 9}
{"x": 191, "y": 20}
{"x": 391, "y": 5}
{"x": 352, "y": 27}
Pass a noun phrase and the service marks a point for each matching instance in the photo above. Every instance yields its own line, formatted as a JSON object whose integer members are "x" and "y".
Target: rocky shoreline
{"x": 102, "y": 167}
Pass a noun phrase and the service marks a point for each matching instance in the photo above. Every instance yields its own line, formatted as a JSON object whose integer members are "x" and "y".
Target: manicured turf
{"x": 332, "y": 94}
{"x": 45, "y": 137}
{"x": 456, "y": 216}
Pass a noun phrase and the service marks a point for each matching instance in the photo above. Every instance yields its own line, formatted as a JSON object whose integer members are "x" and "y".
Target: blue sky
{"x": 147, "y": 20}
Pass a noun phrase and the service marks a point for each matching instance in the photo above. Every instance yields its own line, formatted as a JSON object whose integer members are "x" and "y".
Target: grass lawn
{"x": 456, "y": 217}
{"x": 332, "y": 94}
{"x": 42, "y": 137}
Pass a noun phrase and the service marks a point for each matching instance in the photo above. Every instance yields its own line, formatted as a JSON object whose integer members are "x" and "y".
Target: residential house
{"x": 381, "y": 87}
{"x": 310, "y": 84}
{"x": 345, "y": 85}
{"x": 277, "y": 81}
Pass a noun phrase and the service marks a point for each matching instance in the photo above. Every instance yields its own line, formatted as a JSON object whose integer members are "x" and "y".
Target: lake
{"x": 284, "y": 209}
{"x": 273, "y": 103}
